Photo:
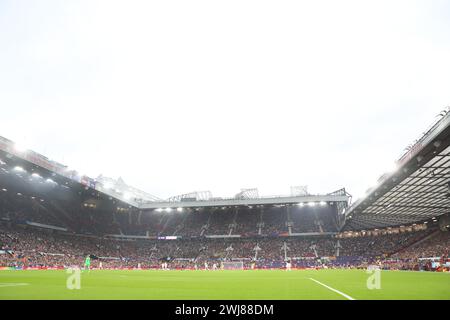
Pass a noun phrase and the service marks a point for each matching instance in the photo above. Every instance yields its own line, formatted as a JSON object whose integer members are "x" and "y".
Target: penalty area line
{"x": 332, "y": 289}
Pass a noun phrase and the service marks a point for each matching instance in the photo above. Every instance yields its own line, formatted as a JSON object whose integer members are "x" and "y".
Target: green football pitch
{"x": 256, "y": 284}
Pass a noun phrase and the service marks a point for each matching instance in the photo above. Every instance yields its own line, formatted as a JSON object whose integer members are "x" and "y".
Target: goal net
{"x": 233, "y": 265}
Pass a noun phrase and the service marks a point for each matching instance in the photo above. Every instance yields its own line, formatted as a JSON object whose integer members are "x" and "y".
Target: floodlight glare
{"x": 168, "y": 209}
{"x": 323, "y": 203}
{"x": 108, "y": 186}
{"x": 35, "y": 175}
{"x": 50, "y": 180}
{"x": 19, "y": 147}
{"x": 159, "y": 209}
{"x": 301, "y": 204}
{"x": 311, "y": 204}
{"x": 179, "y": 209}
{"x": 20, "y": 169}
{"x": 394, "y": 167}
{"x": 127, "y": 195}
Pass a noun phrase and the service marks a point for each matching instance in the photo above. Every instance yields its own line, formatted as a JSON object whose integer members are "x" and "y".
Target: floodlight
{"x": 311, "y": 204}
{"x": 19, "y": 147}
{"x": 50, "y": 180}
{"x": 20, "y": 169}
{"x": 35, "y": 175}
{"x": 323, "y": 203}
{"x": 394, "y": 167}
{"x": 179, "y": 209}
{"x": 127, "y": 195}
{"x": 168, "y": 209}
{"x": 301, "y": 204}
{"x": 159, "y": 209}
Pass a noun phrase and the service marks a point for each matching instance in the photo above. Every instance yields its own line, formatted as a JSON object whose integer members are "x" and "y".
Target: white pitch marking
{"x": 332, "y": 289}
{"x": 12, "y": 284}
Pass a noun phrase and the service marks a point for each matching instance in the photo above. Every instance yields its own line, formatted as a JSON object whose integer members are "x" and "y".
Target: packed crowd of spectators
{"x": 305, "y": 222}
{"x": 264, "y": 233}
{"x": 24, "y": 208}
{"x": 433, "y": 246}
{"x": 247, "y": 222}
{"x": 379, "y": 246}
{"x": 36, "y": 247}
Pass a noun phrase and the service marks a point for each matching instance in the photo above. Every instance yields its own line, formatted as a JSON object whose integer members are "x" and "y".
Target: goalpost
{"x": 233, "y": 265}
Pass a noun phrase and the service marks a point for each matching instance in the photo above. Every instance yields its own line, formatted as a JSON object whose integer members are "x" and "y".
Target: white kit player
{"x": 288, "y": 265}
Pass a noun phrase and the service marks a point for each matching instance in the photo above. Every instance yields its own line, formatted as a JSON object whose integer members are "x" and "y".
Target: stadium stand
{"x": 52, "y": 217}
{"x": 36, "y": 247}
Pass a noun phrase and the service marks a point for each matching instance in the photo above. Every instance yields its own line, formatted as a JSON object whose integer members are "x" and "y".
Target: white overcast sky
{"x": 178, "y": 96}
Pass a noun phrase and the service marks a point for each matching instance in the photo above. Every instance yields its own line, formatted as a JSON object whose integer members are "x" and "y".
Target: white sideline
{"x": 332, "y": 289}
{"x": 12, "y": 284}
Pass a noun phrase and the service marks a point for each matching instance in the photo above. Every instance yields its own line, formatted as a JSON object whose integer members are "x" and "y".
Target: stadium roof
{"x": 282, "y": 200}
{"x": 31, "y": 162}
{"x": 419, "y": 189}
{"x": 416, "y": 191}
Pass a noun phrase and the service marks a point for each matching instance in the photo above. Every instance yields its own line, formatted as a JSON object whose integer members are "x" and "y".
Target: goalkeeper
{"x": 87, "y": 263}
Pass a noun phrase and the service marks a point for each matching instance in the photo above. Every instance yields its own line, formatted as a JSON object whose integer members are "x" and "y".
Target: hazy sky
{"x": 178, "y": 96}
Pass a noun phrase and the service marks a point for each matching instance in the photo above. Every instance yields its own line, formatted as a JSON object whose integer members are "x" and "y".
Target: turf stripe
{"x": 12, "y": 284}
{"x": 332, "y": 289}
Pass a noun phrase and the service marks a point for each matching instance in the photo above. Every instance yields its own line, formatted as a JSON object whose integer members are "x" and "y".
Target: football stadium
{"x": 230, "y": 158}
{"x": 69, "y": 236}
